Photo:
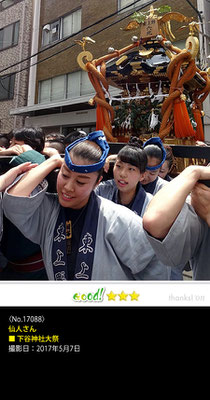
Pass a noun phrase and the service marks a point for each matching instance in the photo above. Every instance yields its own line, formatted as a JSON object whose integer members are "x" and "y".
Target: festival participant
{"x": 33, "y": 137}
{"x": 156, "y": 156}
{"x": 4, "y": 141}
{"x": 168, "y": 165}
{"x": 174, "y": 229}
{"x": 152, "y": 182}
{"x": 128, "y": 171}
{"x": 126, "y": 188}
{"x": 72, "y": 136}
{"x": 164, "y": 173}
{"x": 6, "y": 180}
{"x": 24, "y": 258}
{"x": 82, "y": 236}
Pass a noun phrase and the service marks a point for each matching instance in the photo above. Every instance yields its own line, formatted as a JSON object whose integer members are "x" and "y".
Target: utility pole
{"x": 34, "y": 50}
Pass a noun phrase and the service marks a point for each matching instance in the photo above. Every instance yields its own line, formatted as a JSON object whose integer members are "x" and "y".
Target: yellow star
{"x": 111, "y": 296}
{"x": 123, "y": 296}
{"x": 134, "y": 296}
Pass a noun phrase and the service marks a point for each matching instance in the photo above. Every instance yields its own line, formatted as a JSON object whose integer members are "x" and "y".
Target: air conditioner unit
{"x": 46, "y": 28}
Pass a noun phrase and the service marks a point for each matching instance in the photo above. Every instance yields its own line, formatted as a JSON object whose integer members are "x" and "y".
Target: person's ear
{"x": 98, "y": 181}
{"x": 142, "y": 176}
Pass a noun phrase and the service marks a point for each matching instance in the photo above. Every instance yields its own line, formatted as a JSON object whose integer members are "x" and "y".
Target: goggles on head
{"x": 158, "y": 142}
{"x": 97, "y": 137}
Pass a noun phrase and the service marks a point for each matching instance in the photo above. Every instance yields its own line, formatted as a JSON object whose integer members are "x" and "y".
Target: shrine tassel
{"x": 199, "y": 127}
{"x": 182, "y": 124}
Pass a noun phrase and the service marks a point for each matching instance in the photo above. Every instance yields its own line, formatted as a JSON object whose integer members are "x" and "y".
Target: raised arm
{"x": 31, "y": 179}
{"x": 9, "y": 176}
{"x": 168, "y": 202}
{"x": 200, "y": 200}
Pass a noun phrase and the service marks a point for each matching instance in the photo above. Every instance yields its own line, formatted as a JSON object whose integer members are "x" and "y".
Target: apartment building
{"x": 58, "y": 90}
{"x": 15, "y": 46}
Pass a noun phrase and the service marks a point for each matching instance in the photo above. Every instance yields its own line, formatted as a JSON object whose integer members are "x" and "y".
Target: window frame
{"x": 132, "y": 6}
{"x": 67, "y": 78}
{"x": 11, "y": 87}
{"x": 13, "y": 42}
{"x": 60, "y": 20}
{"x": 2, "y": 8}
{"x": 120, "y": 8}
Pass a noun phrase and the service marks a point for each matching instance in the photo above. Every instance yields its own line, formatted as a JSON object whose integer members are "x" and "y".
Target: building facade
{"x": 58, "y": 90}
{"x": 15, "y": 46}
{"x": 204, "y": 38}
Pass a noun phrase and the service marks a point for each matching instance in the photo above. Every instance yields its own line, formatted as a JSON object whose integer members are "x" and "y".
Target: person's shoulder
{"x": 107, "y": 184}
{"x": 113, "y": 210}
{"x": 105, "y": 188}
{"x": 148, "y": 197}
{"x": 52, "y": 197}
{"x": 28, "y": 155}
{"x": 162, "y": 181}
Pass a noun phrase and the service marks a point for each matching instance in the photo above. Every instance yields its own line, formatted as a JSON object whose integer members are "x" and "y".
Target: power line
{"x": 82, "y": 30}
{"x": 74, "y": 44}
{"x": 74, "y": 34}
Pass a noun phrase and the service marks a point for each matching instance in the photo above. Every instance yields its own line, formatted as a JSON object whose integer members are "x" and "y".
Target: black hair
{"x": 54, "y": 136}
{"x": 57, "y": 144}
{"x": 89, "y": 151}
{"x": 153, "y": 150}
{"x": 31, "y": 136}
{"x": 4, "y": 140}
{"x": 72, "y": 136}
{"x": 133, "y": 154}
{"x": 135, "y": 141}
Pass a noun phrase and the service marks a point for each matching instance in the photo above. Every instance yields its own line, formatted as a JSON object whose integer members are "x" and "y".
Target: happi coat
{"x": 121, "y": 250}
{"x": 109, "y": 190}
{"x": 187, "y": 239}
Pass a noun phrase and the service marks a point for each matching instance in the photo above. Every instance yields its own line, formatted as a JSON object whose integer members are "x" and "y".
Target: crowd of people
{"x": 72, "y": 211}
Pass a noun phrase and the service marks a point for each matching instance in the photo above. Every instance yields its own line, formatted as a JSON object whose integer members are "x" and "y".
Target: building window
{"x": 58, "y": 88}
{"x": 71, "y": 23}
{"x": 74, "y": 84}
{"x": 7, "y": 84}
{"x": 9, "y": 36}
{"x": 86, "y": 86}
{"x": 51, "y": 33}
{"x": 44, "y": 91}
{"x": 63, "y": 27}
{"x": 124, "y": 3}
{"x": 7, "y": 3}
{"x": 64, "y": 87}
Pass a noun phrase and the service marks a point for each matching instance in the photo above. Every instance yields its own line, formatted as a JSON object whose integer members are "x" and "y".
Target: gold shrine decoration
{"x": 159, "y": 28}
{"x": 165, "y": 26}
{"x": 152, "y": 25}
{"x": 83, "y": 57}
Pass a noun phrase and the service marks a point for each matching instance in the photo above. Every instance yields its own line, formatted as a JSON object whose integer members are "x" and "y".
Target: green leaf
{"x": 139, "y": 17}
{"x": 164, "y": 9}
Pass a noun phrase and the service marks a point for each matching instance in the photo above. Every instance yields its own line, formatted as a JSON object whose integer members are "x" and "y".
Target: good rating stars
{"x": 123, "y": 296}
